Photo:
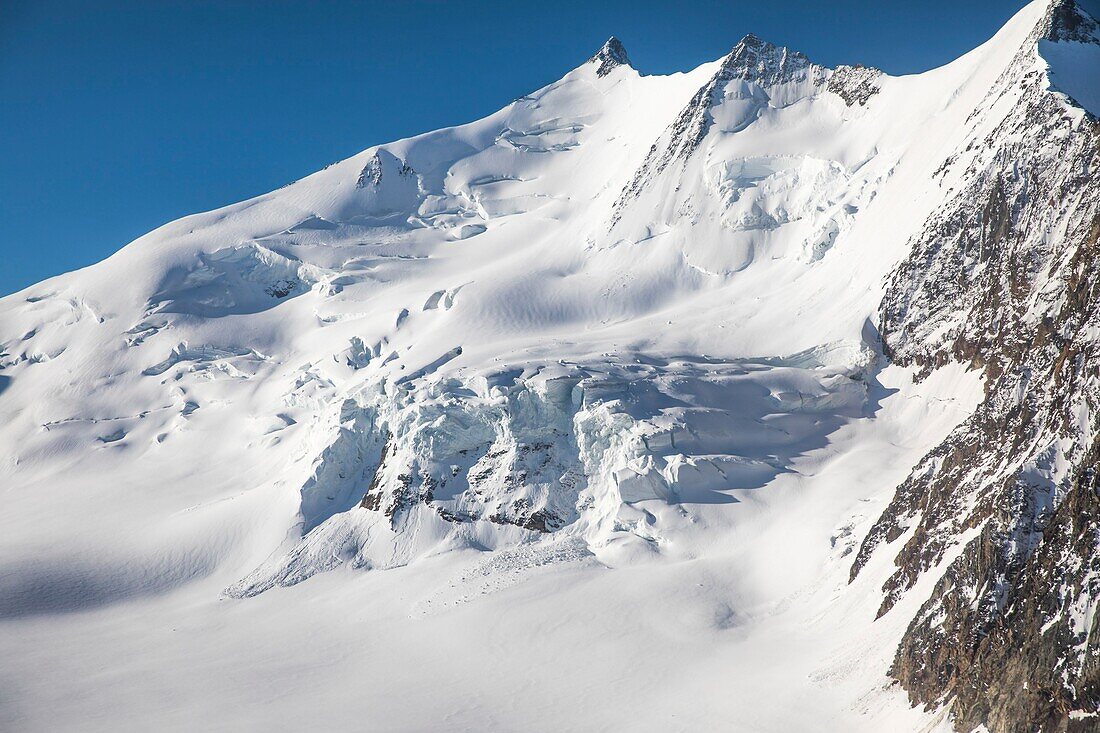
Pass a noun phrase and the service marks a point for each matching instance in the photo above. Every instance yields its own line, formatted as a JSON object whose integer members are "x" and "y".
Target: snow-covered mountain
{"x": 758, "y": 397}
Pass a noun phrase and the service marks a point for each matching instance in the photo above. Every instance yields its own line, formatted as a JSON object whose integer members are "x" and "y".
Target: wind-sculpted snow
{"x": 597, "y": 377}
{"x": 241, "y": 279}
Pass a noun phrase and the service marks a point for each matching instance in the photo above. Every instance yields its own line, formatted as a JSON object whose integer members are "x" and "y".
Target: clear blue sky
{"x": 116, "y": 117}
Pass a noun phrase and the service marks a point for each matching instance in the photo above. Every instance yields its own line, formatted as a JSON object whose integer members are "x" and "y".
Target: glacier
{"x": 572, "y": 417}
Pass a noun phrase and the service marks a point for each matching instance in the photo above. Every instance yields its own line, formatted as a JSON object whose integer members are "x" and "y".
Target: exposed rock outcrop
{"x": 610, "y": 56}
{"x": 1004, "y": 278}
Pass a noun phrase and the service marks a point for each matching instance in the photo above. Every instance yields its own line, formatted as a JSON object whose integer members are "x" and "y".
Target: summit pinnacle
{"x": 610, "y": 56}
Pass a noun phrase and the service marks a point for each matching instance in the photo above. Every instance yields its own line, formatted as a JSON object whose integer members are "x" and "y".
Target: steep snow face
{"x": 626, "y": 322}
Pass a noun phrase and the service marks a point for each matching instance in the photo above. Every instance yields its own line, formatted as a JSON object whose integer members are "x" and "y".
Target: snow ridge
{"x": 597, "y": 376}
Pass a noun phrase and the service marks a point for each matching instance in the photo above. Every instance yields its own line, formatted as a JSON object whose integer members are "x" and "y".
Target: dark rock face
{"x": 611, "y": 56}
{"x": 1032, "y": 663}
{"x": 373, "y": 172}
{"x": 855, "y": 84}
{"x": 754, "y": 59}
{"x": 282, "y": 288}
{"x": 1006, "y": 278}
{"x": 1068, "y": 22}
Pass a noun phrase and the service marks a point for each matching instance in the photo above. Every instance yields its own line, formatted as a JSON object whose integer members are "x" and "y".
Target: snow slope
{"x": 568, "y": 418}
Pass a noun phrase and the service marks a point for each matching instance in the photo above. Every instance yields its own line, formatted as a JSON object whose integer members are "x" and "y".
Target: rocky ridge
{"x": 1003, "y": 277}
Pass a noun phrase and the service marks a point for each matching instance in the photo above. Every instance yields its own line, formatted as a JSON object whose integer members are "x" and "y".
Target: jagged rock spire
{"x": 610, "y": 56}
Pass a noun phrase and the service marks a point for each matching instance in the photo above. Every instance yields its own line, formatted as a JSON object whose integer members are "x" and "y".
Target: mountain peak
{"x": 828, "y": 332}
{"x": 610, "y": 56}
{"x": 753, "y": 44}
{"x": 755, "y": 59}
{"x": 1071, "y": 20}
{"x": 751, "y": 40}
